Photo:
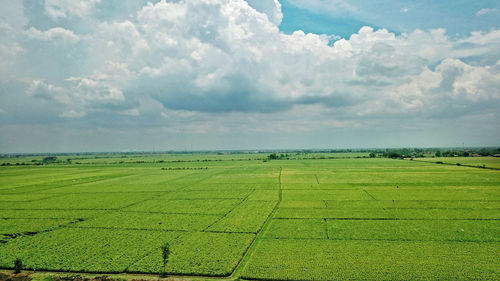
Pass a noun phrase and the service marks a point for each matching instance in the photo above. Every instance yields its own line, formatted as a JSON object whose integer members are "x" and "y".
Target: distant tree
{"x": 372, "y": 155}
{"x": 49, "y": 159}
{"x": 393, "y": 154}
{"x": 273, "y": 156}
{"x": 18, "y": 265}
{"x": 438, "y": 153}
{"x": 165, "y": 252}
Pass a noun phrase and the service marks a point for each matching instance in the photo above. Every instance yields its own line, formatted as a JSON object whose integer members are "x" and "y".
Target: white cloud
{"x": 67, "y": 8}
{"x": 189, "y": 58}
{"x": 72, "y": 114}
{"x": 404, "y": 10}
{"x": 81, "y": 94}
{"x": 56, "y": 34}
{"x": 486, "y": 11}
{"x": 483, "y": 38}
{"x": 41, "y": 89}
{"x": 272, "y": 8}
{"x": 12, "y": 22}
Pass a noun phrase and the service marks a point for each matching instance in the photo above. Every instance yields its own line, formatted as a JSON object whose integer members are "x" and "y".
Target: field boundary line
{"x": 115, "y": 176}
{"x": 129, "y": 229}
{"x": 393, "y": 219}
{"x": 369, "y": 194}
{"x": 385, "y": 240}
{"x": 457, "y": 165}
{"x": 33, "y": 233}
{"x": 248, "y": 253}
{"x": 120, "y": 274}
{"x": 230, "y": 211}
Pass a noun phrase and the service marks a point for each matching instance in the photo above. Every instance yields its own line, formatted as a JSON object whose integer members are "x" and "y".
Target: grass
{"x": 306, "y": 218}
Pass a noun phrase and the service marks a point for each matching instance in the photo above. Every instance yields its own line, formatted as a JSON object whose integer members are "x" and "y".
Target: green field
{"x": 488, "y": 162}
{"x": 341, "y": 217}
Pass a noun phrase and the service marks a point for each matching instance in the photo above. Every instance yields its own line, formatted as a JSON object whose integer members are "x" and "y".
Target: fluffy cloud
{"x": 67, "y": 8}
{"x": 80, "y": 94}
{"x": 272, "y": 8}
{"x": 12, "y": 22}
{"x": 56, "y": 34}
{"x": 221, "y": 56}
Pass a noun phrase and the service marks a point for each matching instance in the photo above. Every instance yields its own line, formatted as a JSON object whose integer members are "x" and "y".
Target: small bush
{"x": 18, "y": 265}
{"x": 165, "y": 251}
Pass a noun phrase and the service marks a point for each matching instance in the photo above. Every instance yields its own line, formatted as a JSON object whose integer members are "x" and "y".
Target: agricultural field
{"x": 322, "y": 217}
{"x": 487, "y": 162}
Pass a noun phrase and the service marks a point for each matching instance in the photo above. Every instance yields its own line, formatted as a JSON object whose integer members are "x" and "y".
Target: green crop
{"x": 333, "y": 217}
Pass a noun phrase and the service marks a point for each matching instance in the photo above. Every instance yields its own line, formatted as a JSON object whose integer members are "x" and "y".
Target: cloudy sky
{"x": 126, "y": 75}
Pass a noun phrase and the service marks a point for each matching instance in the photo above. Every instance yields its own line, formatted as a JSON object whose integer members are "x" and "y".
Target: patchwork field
{"x": 239, "y": 216}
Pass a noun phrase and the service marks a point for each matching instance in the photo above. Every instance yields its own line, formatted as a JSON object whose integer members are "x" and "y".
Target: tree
{"x": 438, "y": 153}
{"x": 49, "y": 159}
{"x": 165, "y": 252}
{"x": 18, "y": 265}
{"x": 372, "y": 155}
{"x": 273, "y": 156}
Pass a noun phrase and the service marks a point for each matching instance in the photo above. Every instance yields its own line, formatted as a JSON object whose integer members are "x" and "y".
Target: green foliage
{"x": 323, "y": 259}
{"x": 49, "y": 159}
{"x": 276, "y": 156}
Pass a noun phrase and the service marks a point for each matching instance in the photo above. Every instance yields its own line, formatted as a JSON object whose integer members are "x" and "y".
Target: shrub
{"x": 165, "y": 252}
{"x": 18, "y": 265}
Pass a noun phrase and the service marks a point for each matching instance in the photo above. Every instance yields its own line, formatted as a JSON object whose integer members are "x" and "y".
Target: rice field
{"x": 237, "y": 216}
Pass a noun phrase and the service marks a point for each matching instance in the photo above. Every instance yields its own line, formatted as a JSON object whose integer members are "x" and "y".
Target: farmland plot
{"x": 116, "y": 219}
{"x": 381, "y": 219}
{"x": 308, "y": 219}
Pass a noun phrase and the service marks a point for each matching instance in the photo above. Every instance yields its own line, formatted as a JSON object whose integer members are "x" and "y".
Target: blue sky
{"x": 459, "y": 17}
{"x": 122, "y": 75}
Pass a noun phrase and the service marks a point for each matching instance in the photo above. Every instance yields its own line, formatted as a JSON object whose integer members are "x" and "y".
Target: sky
{"x": 133, "y": 75}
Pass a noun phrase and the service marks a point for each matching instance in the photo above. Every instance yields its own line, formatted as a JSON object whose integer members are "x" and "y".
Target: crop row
{"x": 151, "y": 221}
{"x": 398, "y": 230}
{"x": 394, "y": 194}
{"x": 82, "y": 201}
{"x": 305, "y": 213}
{"x": 392, "y": 204}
